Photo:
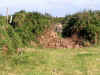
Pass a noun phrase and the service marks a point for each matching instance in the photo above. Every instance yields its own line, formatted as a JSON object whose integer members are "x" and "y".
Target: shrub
{"x": 86, "y": 25}
{"x": 25, "y": 27}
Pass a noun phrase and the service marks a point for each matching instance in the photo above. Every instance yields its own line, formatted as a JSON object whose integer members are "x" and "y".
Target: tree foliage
{"x": 85, "y": 24}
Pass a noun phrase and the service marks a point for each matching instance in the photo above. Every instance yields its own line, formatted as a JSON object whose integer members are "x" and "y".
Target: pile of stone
{"x": 50, "y": 39}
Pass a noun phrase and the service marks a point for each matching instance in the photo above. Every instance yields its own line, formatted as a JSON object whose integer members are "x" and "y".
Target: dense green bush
{"x": 32, "y": 21}
{"x": 29, "y": 25}
{"x": 85, "y": 24}
{"x": 25, "y": 27}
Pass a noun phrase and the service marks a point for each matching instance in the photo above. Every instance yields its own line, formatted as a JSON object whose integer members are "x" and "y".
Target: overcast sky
{"x": 54, "y": 7}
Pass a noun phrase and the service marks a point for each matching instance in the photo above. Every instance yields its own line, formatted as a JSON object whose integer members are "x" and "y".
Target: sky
{"x": 54, "y": 7}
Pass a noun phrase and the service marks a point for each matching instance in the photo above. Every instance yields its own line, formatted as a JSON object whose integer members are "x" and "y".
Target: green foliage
{"x": 29, "y": 25}
{"x": 86, "y": 25}
{"x": 25, "y": 27}
{"x": 9, "y": 38}
{"x": 2, "y": 20}
{"x": 31, "y": 21}
{"x": 19, "y": 18}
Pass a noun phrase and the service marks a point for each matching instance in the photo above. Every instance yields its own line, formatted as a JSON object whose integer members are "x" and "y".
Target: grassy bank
{"x": 34, "y": 61}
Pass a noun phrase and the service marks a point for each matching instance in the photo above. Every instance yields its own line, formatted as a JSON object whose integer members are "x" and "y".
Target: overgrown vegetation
{"x": 25, "y": 28}
{"x": 86, "y": 24}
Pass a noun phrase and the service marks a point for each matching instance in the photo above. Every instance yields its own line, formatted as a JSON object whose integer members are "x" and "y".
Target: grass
{"x": 35, "y": 61}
